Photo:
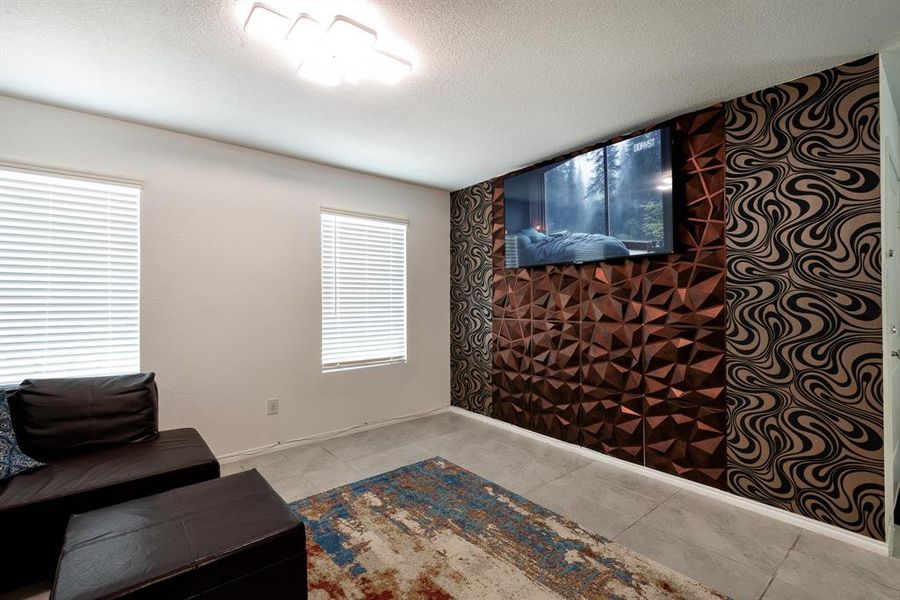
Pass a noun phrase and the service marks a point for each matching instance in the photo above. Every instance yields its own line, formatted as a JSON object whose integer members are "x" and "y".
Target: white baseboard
{"x": 283, "y": 445}
{"x": 825, "y": 529}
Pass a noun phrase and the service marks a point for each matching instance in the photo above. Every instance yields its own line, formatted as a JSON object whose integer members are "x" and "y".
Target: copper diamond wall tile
{"x": 556, "y": 349}
{"x": 611, "y": 406}
{"x": 611, "y": 292}
{"x": 612, "y": 423}
{"x": 585, "y": 344}
{"x": 511, "y": 351}
{"x": 513, "y": 408}
{"x": 686, "y": 439}
{"x": 555, "y": 362}
{"x": 700, "y": 173}
{"x": 685, "y": 289}
{"x": 685, "y": 365}
{"x": 557, "y": 292}
{"x": 511, "y": 346}
{"x": 555, "y": 403}
{"x": 512, "y": 294}
{"x": 498, "y": 227}
{"x": 610, "y": 357}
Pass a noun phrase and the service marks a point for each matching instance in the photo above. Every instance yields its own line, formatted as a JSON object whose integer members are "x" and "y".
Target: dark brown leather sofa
{"x": 99, "y": 437}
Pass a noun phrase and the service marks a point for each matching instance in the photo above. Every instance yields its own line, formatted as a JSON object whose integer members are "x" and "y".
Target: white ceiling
{"x": 497, "y": 84}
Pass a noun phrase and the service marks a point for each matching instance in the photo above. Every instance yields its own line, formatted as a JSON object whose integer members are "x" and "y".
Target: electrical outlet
{"x": 272, "y": 406}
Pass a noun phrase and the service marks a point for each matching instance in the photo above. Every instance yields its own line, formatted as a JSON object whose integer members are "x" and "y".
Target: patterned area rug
{"x": 434, "y": 530}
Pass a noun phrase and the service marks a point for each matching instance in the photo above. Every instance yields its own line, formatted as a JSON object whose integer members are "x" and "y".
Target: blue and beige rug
{"x": 433, "y": 530}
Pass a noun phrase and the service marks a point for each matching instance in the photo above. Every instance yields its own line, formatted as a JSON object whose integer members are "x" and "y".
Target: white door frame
{"x": 890, "y": 211}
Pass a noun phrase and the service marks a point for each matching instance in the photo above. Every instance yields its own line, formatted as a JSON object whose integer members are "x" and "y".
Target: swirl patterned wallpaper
{"x": 804, "y": 358}
{"x": 750, "y": 360}
{"x": 470, "y": 298}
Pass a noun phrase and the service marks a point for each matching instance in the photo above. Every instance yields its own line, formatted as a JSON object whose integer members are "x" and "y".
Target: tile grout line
{"x": 778, "y": 568}
{"x": 710, "y": 550}
{"x": 644, "y": 516}
{"x": 613, "y": 484}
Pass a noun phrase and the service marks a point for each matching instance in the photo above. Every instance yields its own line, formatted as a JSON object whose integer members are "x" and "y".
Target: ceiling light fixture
{"x": 303, "y": 37}
{"x": 345, "y": 51}
{"x": 266, "y": 25}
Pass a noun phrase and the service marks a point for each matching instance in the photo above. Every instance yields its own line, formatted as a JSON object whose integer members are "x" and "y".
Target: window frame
{"x": 348, "y": 365}
{"x": 99, "y": 180}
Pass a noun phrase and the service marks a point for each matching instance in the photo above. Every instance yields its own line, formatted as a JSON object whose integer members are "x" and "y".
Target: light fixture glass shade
{"x": 266, "y": 25}
{"x": 385, "y": 68}
{"x": 304, "y": 37}
{"x": 322, "y": 69}
{"x": 342, "y": 51}
{"x": 345, "y": 37}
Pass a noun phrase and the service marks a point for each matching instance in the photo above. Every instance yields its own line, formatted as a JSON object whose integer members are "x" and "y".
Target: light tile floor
{"x": 741, "y": 553}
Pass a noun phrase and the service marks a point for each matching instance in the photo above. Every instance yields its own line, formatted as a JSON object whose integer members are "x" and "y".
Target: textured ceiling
{"x": 496, "y": 84}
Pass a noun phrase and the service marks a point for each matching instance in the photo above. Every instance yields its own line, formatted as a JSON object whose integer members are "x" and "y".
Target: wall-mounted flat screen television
{"x": 609, "y": 203}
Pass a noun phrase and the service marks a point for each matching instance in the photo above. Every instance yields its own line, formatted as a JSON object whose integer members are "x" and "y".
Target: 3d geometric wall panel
{"x": 628, "y": 357}
{"x": 686, "y": 289}
{"x": 684, "y": 384}
{"x": 512, "y": 294}
{"x": 683, "y": 353}
{"x": 557, "y": 292}
{"x": 612, "y": 389}
{"x": 686, "y": 439}
{"x": 511, "y": 350}
{"x": 700, "y": 175}
{"x": 556, "y": 359}
{"x": 612, "y": 292}
{"x": 595, "y": 376}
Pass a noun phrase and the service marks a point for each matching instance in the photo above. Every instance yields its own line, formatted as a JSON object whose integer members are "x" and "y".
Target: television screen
{"x": 612, "y": 202}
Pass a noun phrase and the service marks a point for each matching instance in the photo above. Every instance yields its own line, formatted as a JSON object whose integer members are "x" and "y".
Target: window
{"x": 363, "y": 291}
{"x": 69, "y": 276}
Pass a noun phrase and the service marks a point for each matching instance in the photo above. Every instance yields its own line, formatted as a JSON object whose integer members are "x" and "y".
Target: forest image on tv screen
{"x": 613, "y": 202}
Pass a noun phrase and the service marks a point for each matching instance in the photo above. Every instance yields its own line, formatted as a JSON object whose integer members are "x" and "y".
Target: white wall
{"x": 230, "y": 307}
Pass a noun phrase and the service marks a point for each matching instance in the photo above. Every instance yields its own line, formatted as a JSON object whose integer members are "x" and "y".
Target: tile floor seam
{"x": 766, "y": 589}
{"x": 621, "y": 487}
{"x": 778, "y": 568}
{"x": 890, "y": 585}
{"x": 302, "y": 472}
{"x": 621, "y": 533}
{"x": 644, "y": 516}
{"x": 612, "y": 508}
{"x": 331, "y": 453}
{"x": 707, "y": 549}
{"x": 546, "y": 483}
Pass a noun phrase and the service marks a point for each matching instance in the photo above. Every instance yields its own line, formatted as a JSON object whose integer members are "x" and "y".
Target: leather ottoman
{"x": 226, "y": 538}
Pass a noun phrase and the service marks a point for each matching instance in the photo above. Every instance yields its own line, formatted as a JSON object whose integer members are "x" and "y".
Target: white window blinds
{"x": 363, "y": 291}
{"x": 69, "y": 276}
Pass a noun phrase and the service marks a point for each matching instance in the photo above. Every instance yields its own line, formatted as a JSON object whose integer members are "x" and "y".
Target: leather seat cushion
{"x": 82, "y": 480}
{"x": 35, "y": 507}
{"x": 181, "y": 543}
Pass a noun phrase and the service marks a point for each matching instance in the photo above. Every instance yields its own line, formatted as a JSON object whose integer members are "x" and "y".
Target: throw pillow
{"x": 12, "y": 460}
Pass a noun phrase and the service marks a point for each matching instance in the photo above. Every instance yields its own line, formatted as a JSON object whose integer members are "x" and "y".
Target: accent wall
{"x": 748, "y": 360}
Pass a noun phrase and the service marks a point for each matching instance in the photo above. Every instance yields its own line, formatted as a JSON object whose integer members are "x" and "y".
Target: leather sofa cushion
{"x": 35, "y": 507}
{"x": 185, "y": 543}
{"x": 109, "y": 472}
{"x": 56, "y": 417}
